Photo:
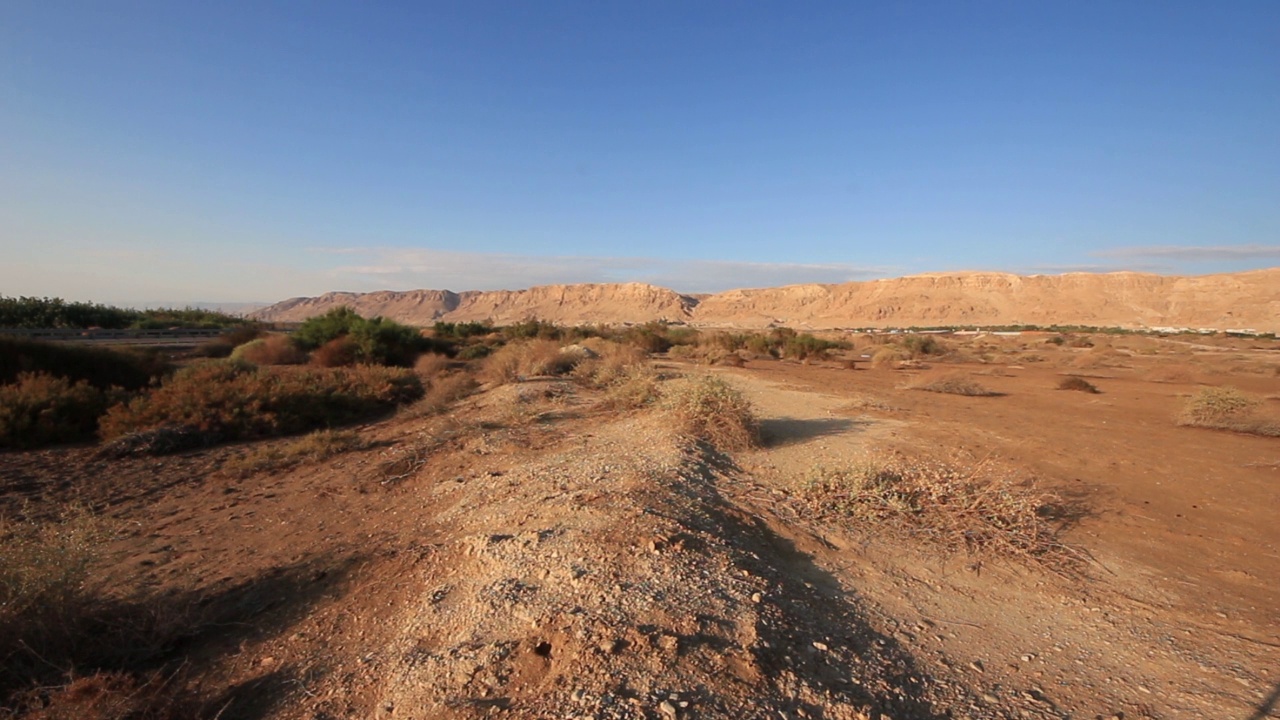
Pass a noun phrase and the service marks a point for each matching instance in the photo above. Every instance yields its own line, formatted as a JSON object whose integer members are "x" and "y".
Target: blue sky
{"x": 246, "y": 151}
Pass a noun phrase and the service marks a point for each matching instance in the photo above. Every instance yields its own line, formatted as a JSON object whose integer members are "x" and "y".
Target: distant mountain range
{"x": 1245, "y": 300}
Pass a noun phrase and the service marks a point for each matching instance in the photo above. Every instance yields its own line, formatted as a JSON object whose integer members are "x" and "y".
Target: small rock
{"x": 820, "y": 646}
{"x": 756, "y": 597}
{"x": 577, "y": 696}
{"x": 668, "y": 710}
{"x": 977, "y": 665}
{"x": 610, "y": 646}
{"x": 1028, "y": 657}
{"x": 990, "y": 698}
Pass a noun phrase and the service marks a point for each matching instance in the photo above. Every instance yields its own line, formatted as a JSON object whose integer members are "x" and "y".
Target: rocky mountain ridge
{"x": 1245, "y": 300}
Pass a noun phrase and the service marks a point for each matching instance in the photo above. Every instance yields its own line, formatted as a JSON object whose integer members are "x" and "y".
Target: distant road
{"x": 98, "y": 336}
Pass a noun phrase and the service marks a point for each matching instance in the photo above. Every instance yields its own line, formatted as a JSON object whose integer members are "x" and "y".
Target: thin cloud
{"x": 1195, "y": 253}
{"x": 393, "y": 268}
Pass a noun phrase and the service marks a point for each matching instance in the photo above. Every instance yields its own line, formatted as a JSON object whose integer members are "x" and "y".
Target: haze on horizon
{"x": 242, "y": 151}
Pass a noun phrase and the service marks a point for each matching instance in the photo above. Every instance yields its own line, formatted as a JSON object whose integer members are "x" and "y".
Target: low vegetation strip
{"x": 236, "y": 400}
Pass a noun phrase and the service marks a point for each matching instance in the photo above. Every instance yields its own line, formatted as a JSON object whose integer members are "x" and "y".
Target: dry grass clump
{"x": 43, "y": 570}
{"x": 531, "y": 358}
{"x": 234, "y": 401}
{"x": 636, "y": 387}
{"x": 1075, "y": 382}
{"x": 984, "y": 509}
{"x": 954, "y": 384}
{"x": 708, "y": 408}
{"x": 889, "y": 356}
{"x": 442, "y": 392}
{"x": 1226, "y": 408}
{"x": 40, "y": 409}
{"x": 314, "y": 447}
{"x": 338, "y": 352}
{"x": 429, "y": 365}
{"x": 270, "y": 350}
{"x": 612, "y": 362}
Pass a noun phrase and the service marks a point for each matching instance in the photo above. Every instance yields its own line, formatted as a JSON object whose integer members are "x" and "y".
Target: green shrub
{"x": 375, "y": 340}
{"x": 40, "y": 409}
{"x": 475, "y": 352}
{"x": 919, "y": 346}
{"x": 709, "y": 408}
{"x": 100, "y": 367}
{"x": 234, "y": 401}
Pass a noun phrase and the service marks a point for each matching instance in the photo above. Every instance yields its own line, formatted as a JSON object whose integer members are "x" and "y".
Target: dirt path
{"x": 1026, "y": 641}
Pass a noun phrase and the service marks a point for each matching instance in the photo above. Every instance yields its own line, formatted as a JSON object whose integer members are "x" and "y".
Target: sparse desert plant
{"x": 919, "y": 346}
{"x": 233, "y": 400}
{"x": 314, "y": 447}
{"x": 983, "y": 508}
{"x": 954, "y": 384}
{"x": 1075, "y": 382}
{"x": 711, "y": 409}
{"x": 1226, "y": 408}
{"x": 40, "y": 409}
{"x": 612, "y": 362}
{"x": 270, "y": 350}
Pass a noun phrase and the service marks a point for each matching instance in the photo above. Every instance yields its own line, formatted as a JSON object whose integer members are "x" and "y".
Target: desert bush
{"x": 983, "y": 509}
{"x": 636, "y": 387}
{"x": 612, "y": 361}
{"x": 33, "y": 312}
{"x": 954, "y": 384}
{"x": 475, "y": 352}
{"x": 1226, "y": 408}
{"x": 100, "y": 367}
{"x": 240, "y": 401}
{"x": 227, "y": 342}
{"x": 269, "y": 350}
{"x": 40, "y": 409}
{"x": 375, "y": 340}
{"x": 443, "y": 392}
{"x": 338, "y": 352}
{"x": 530, "y": 358}
{"x": 708, "y": 408}
{"x": 43, "y": 570}
{"x": 888, "y": 357}
{"x": 313, "y": 447}
{"x": 918, "y": 346}
{"x": 431, "y": 364}
{"x": 1075, "y": 382}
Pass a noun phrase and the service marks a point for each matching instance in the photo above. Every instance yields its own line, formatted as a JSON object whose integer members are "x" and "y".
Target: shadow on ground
{"x": 780, "y": 432}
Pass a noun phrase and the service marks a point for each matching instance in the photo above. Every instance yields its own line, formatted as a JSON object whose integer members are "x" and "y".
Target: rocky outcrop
{"x": 1247, "y": 300}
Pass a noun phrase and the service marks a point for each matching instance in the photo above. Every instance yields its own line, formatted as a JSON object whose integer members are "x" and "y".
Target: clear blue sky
{"x": 238, "y": 151}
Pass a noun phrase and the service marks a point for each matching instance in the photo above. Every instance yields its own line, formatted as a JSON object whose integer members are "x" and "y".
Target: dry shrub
{"x": 338, "y": 352}
{"x": 889, "y": 356}
{"x": 636, "y": 387}
{"x": 708, "y": 408}
{"x": 613, "y": 363}
{"x": 954, "y": 384}
{"x": 429, "y": 365}
{"x": 241, "y": 401}
{"x": 1075, "y": 382}
{"x": 43, "y": 570}
{"x": 314, "y": 447}
{"x": 531, "y": 358}
{"x": 40, "y": 409}
{"x": 443, "y": 392}
{"x": 984, "y": 509}
{"x": 1226, "y": 408}
{"x": 270, "y": 350}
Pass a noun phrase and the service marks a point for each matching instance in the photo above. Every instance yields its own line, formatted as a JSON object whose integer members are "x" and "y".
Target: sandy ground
{"x": 534, "y": 554}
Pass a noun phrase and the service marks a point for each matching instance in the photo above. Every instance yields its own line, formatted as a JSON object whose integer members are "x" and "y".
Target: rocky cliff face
{"x": 1228, "y": 301}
